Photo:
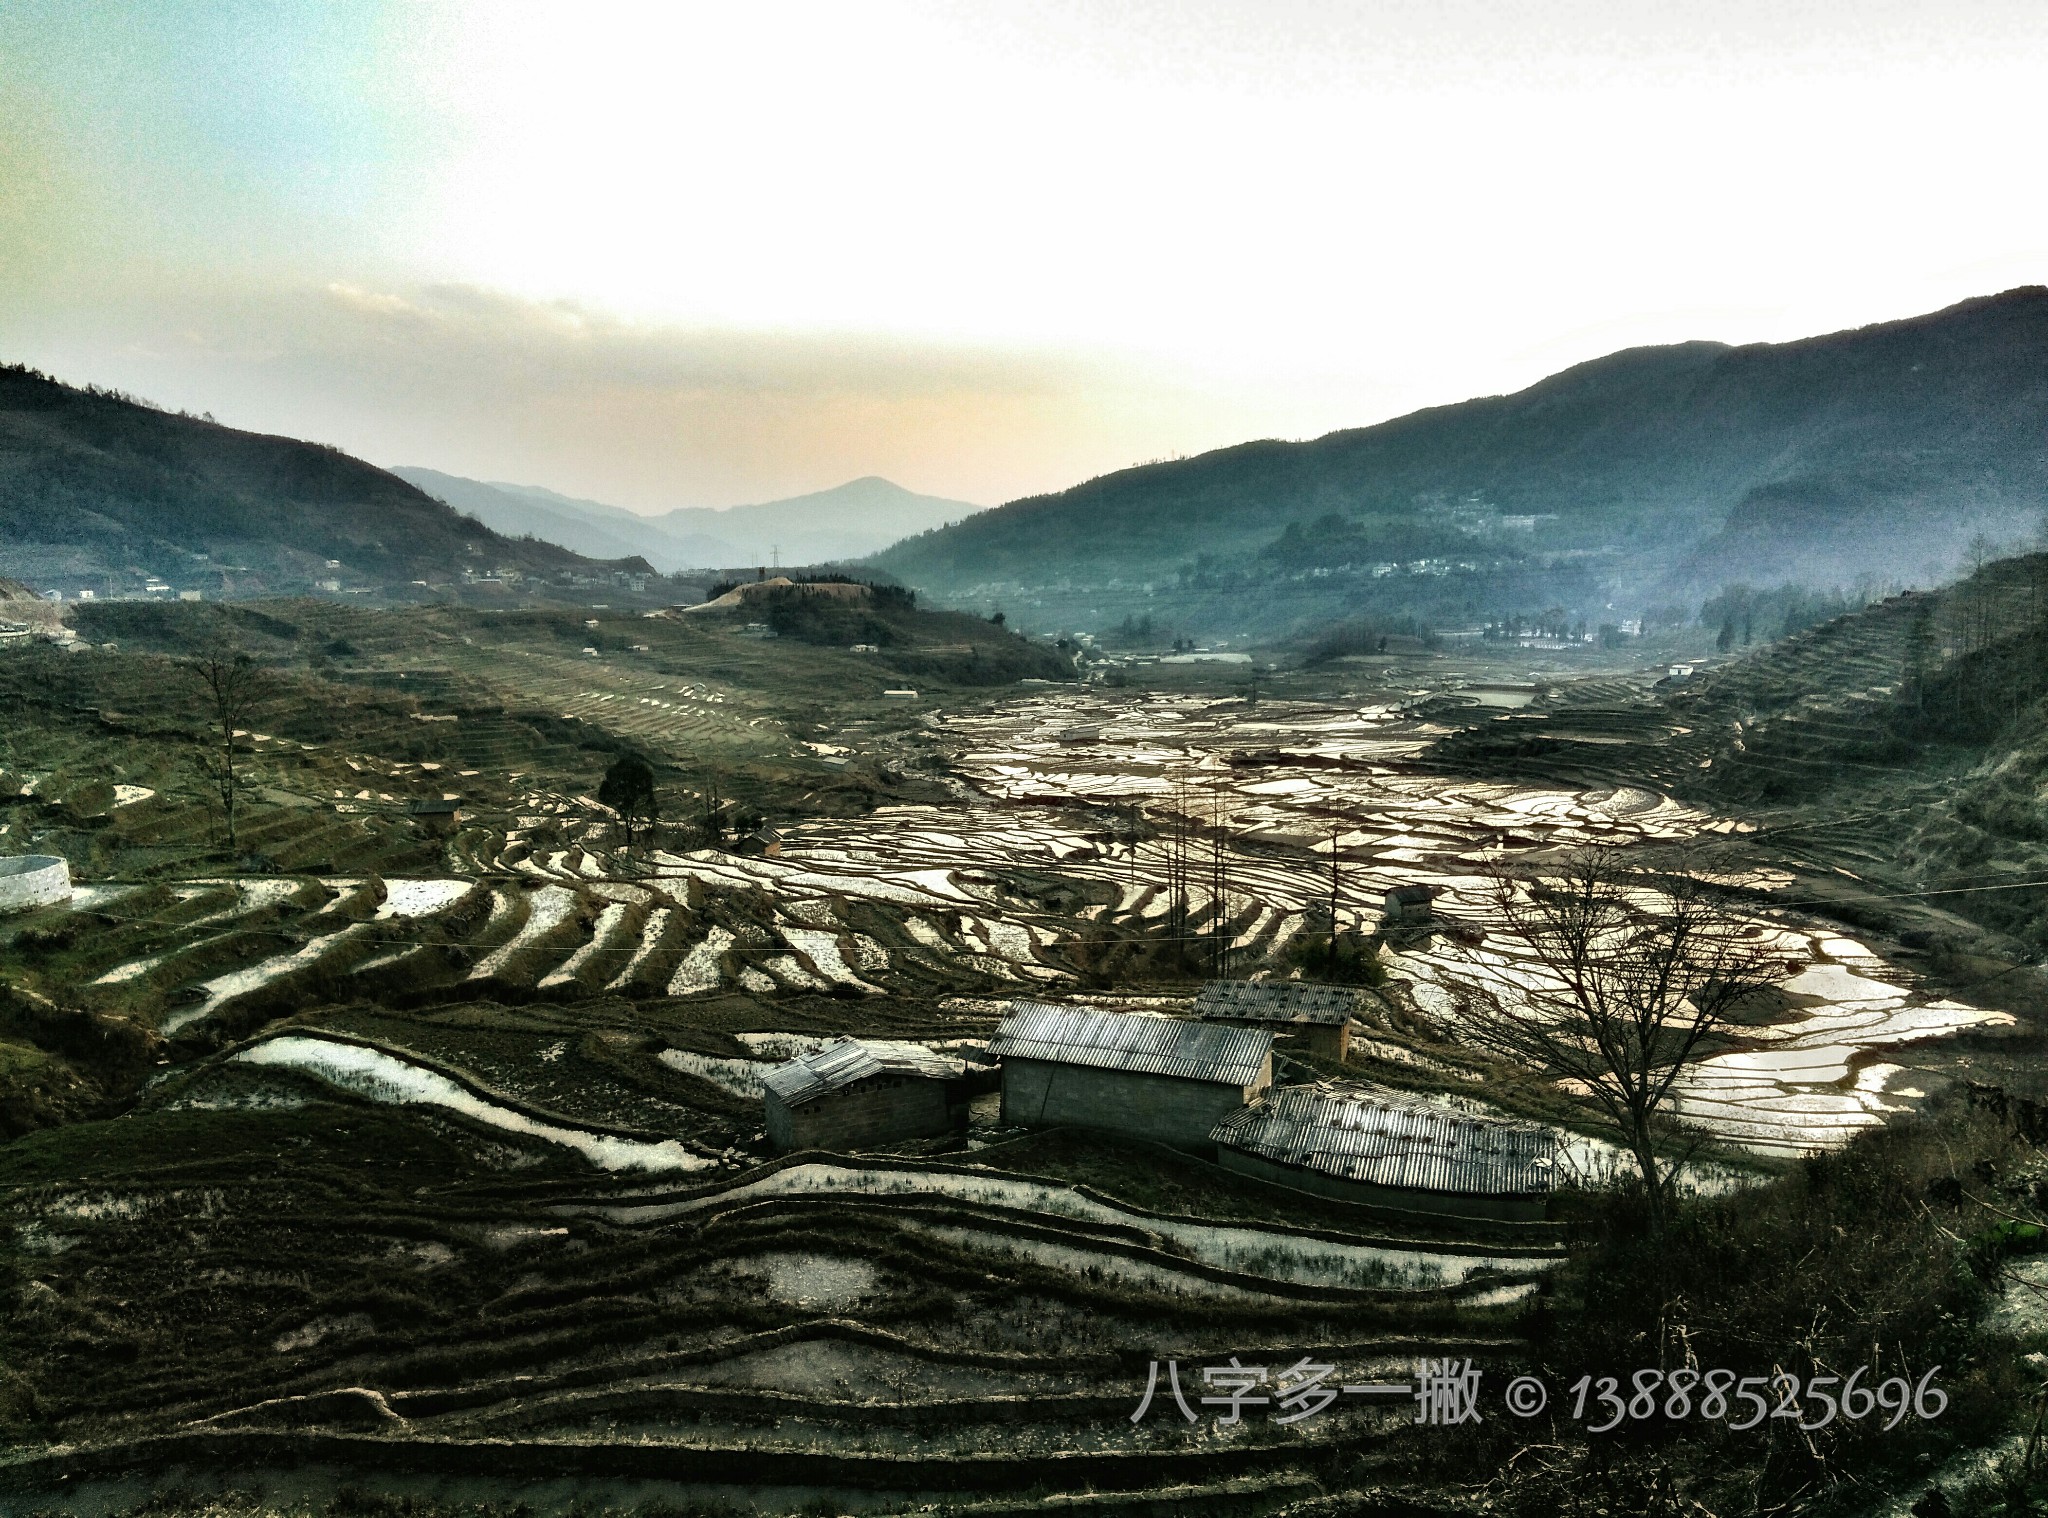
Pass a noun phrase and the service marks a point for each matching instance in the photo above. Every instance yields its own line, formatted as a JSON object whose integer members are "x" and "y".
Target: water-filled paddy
{"x": 1318, "y": 801}
{"x": 386, "y": 1078}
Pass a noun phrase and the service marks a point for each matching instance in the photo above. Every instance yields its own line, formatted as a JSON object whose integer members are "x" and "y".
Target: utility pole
{"x": 1333, "y": 898}
{"x": 1178, "y": 909}
{"x": 1219, "y": 880}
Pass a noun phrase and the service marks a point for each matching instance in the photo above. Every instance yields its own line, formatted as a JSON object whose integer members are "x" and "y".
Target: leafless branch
{"x": 1628, "y": 973}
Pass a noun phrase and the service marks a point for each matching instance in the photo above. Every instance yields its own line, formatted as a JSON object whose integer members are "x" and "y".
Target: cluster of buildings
{"x": 1203, "y": 1084}
{"x": 152, "y": 589}
{"x": 21, "y": 634}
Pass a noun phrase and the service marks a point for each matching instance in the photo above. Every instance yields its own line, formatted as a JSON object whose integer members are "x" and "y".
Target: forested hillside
{"x": 95, "y": 483}
{"x": 1671, "y": 469}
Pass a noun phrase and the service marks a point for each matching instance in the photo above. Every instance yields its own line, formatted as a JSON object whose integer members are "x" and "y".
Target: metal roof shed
{"x": 858, "y": 1092}
{"x": 1392, "y": 1149}
{"x": 1321, "y": 1014}
{"x": 1161, "y": 1078}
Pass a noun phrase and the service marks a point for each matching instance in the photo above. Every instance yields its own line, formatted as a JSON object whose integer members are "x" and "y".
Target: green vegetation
{"x": 1365, "y": 635}
{"x": 1743, "y": 614}
{"x": 1851, "y": 1262}
{"x": 628, "y": 789}
{"x": 1334, "y": 539}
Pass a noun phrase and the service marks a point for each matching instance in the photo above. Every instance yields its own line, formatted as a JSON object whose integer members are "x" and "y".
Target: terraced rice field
{"x": 466, "y": 1157}
{"x": 521, "y": 1290}
{"x": 1331, "y": 782}
{"x": 1002, "y": 891}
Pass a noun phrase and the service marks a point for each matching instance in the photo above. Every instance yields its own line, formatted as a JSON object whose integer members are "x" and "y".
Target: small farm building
{"x": 856, "y": 1093}
{"x": 33, "y": 880}
{"x": 436, "y": 816}
{"x": 1160, "y": 1078}
{"x": 764, "y": 842}
{"x": 1392, "y": 1150}
{"x": 1410, "y": 903}
{"x": 1320, "y": 1015}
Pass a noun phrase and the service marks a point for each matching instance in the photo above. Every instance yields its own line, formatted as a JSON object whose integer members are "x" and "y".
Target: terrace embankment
{"x": 432, "y": 1147}
{"x": 264, "y": 1265}
{"x": 414, "y": 745}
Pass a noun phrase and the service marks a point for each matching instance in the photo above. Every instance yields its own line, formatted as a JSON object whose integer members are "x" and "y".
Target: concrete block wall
{"x": 1163, "y": 1108}
{"x": 885, "y": 1109}
{"x": 33, "y": 880}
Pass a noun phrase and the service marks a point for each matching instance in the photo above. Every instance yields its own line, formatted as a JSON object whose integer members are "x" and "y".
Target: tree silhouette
{"x": 235, "y": 685}
{"x": 628, "y": 789}
{"x": 1631, "y": 973}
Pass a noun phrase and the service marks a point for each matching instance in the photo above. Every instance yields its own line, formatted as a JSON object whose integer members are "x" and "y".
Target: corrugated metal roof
{"x": 1133, "y": 1041}
{"x": 1390, "y": 1139}
{"x": 846, "y": 1061}
{"x": 1276, "y": 1001}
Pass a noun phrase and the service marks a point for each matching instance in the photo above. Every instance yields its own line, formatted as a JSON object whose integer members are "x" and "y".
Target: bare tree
{"x": 711, "y": 819}
{"x": 235, "y": 686}
{"x": 1631, "y": 972}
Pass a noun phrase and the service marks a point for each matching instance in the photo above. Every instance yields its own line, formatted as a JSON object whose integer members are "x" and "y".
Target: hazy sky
{"x": 677, "y": 254}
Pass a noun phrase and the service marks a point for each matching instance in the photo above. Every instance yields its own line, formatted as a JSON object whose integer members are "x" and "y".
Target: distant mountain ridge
{"x": 96, "y": 486}
{"x": 584, "y": 527}
{"x": 849, "y": 521}
{"x": 1875, "y": 451}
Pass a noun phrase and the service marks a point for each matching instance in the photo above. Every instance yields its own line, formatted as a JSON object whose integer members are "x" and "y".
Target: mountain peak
{"x": 848, "y": 521}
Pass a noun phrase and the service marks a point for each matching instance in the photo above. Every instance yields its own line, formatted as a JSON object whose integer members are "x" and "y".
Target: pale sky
{"x": 674, "y": 254}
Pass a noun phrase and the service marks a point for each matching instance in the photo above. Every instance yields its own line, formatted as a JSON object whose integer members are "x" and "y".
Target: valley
{"x": 911, "y": 761}
{"x": 418, "y": 1137}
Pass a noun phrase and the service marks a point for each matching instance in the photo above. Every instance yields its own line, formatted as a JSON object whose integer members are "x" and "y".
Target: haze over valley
{"x": 849, "y": 521}
{"x": 1648, "y": 480}
{"x": 1637, "y": 480}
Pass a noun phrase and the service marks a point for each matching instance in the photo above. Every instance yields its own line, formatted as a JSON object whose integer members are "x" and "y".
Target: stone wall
{"x": 1163, "y": 1108}
{"x": 33, "y": 880}
{"x": 884, "y": 1109}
